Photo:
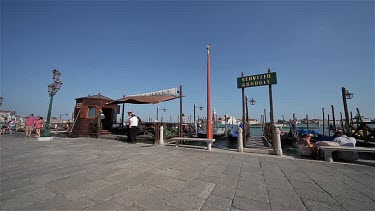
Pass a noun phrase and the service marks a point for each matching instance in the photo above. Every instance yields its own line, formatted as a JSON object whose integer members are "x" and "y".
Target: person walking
{"x": 133, "y": 125}
{"x": 38, "y": 127}
{"x": 30, "y": 122}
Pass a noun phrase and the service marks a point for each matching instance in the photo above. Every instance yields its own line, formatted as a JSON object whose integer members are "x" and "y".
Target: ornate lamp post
{"x": 252, "y": 102}
{"x": 52, "y": 90}
{"x": 197, "y": 106}
{"x": 157, "y": 112}
{"x": 346, "y": 95}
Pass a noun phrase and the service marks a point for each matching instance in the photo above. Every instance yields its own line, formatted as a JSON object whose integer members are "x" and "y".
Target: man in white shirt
{"x": 133, "y": 126}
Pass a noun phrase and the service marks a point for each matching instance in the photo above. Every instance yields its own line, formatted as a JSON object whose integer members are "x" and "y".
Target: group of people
{"x": 32, "y": 122}
{"x": 6, "y": 126}
{"x": 307, "y": 148}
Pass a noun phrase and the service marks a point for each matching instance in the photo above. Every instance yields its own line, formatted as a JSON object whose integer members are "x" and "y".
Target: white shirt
{"x": 133, "y": 121}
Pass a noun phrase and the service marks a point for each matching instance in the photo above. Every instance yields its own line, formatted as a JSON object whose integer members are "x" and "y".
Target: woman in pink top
{"x": 38, "y": 126}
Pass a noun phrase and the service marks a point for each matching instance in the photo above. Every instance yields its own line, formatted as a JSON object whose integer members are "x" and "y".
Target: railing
{"x": 268, "y": 132}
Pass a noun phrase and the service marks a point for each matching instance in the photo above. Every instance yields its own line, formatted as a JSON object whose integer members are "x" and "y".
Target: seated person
{"x": 343, "y": 140}
{"x": 305, "y": 147}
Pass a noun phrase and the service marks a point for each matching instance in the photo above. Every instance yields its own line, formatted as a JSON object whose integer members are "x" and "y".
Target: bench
{"x": 208, "y": 141}
{"x": 328, "y": 151}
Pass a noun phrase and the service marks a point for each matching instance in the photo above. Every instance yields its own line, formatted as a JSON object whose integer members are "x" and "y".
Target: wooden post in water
{"x": 351, "y": 118}
{"x": 271, "y": 112}
{"x": 333, "y": 118}
{"x": 342, "y": 124}
{"x": 265, "y": 116}
{"x": 329, "y": 127}
{"x": 307, "y": 120}
{"x": 348, "y": 130}
{"x": 283, "y": 120}
{"x": 323, "y": 123}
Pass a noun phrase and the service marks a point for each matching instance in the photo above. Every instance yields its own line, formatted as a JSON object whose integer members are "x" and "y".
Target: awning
{"x": 151, "y": 99}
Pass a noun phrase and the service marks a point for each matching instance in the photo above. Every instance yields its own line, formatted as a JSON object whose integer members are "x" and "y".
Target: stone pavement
{"x": 91, "y": 174}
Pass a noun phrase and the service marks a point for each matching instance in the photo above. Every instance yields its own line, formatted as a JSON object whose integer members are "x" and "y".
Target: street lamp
{"x": 200, "y": 108}
{"x": 252, "y": 102}
{"x": 157, "y": 112}
{"x": 346, "y": 95}
{"x": 52, "y": 90}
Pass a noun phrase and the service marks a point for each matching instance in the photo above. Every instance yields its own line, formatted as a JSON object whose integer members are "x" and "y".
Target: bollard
{"x": 277, "y": 138}
{"x": 240, "y": 140}
{"x": 161, "y": 139}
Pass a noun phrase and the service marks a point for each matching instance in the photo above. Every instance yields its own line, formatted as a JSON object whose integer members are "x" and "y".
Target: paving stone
{"x": 248, "y": 204}
{"x": 128, "y": 197}
{"x": 209, "y": 179}
{"x": 350, "y": 204}
{"x": 108, "y": 192}
{"x": 218, "y": 202}
{"x": 155, "y": 199}
{"x": 319, "y": 206}
{"x": 173, "y": 185}
{"x": 26, "y": 199}
{"x": 198, "y": 188}
{"x": 257, "y": 196}
{"x": 223, "y": 191}
{"x": 305, "y": 185}
{"x": 86, "y": 189}
{"x": 186, "y": 202}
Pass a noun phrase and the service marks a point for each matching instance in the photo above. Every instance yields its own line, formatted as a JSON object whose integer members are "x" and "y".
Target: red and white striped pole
{"x": 209, "y": 120}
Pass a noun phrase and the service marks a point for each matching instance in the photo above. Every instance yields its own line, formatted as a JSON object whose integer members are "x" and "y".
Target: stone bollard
{"x": 161, "y": 138}
{"x": 240, "y": 140}
{"x": 278, "y": 149}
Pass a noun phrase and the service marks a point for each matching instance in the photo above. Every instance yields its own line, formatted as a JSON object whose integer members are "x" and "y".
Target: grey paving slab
{"x": 91, "y": 174}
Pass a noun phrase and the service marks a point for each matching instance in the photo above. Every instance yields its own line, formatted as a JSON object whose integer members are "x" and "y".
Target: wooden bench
{"x": 328, "y": 151}
{"x": 208, "y": 141}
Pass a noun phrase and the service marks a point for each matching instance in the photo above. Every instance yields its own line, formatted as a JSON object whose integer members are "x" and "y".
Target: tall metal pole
{"x": 323, "y": 122}
{"x": 244, "y": 114}
{"x": 47, "y": 132}
{"x": 194, "y": 113}
{"x": 180, "y": 124}
{"x": 209, "y": 120}
{"x": 343, "y": 91}
{"x": 123, "y": 114}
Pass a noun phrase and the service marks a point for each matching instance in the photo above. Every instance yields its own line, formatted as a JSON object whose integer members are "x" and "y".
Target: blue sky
{"x": 123, "y": 47}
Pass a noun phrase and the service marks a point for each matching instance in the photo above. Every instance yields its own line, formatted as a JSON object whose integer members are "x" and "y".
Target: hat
{"x": 130, "y": 111}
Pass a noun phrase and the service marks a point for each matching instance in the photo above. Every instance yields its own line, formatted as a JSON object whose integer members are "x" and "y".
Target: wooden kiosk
{"x": 86, "y": 113}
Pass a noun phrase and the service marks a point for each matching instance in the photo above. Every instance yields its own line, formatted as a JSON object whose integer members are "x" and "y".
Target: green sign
{"x": 257, "y": 80}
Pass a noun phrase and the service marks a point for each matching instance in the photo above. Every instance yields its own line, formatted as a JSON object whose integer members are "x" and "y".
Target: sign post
{"x": 268, "y": 78}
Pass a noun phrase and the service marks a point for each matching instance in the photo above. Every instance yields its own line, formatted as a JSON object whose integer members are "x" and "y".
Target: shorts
{"x": 29, "y": 128}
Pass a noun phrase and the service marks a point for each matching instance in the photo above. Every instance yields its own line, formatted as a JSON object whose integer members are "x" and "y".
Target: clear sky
{"x": 124, "y": 47}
